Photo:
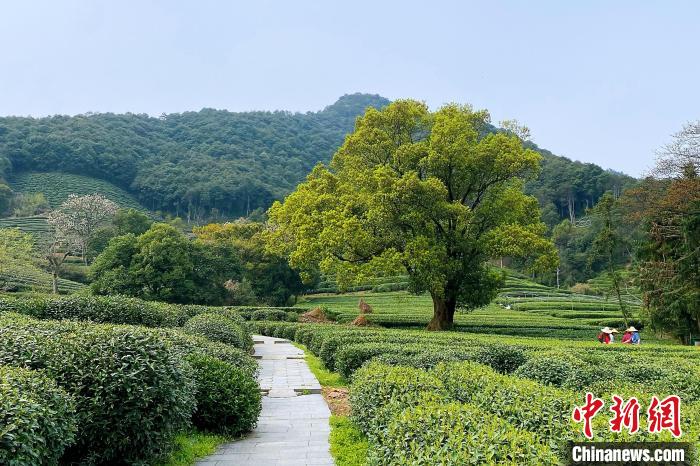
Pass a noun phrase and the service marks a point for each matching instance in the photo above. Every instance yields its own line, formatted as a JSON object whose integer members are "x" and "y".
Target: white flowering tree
{"x": 76, "y": 220}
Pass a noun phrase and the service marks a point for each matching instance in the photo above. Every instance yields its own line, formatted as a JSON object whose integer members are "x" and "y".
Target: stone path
{"x": 293, "y": 425}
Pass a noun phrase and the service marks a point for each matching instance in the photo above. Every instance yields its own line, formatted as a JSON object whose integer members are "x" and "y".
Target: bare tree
{"x": 681, "y": 157}
{"x": 79, "y": 217}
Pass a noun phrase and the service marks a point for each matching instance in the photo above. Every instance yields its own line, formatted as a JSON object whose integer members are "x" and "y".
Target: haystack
{"x": 360, "y": 321}
{"x": 315, "y": 315}
{"x": 364, "y": 307}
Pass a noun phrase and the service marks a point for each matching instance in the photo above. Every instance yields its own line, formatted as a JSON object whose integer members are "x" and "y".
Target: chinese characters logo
{"x": 661, "y": 415}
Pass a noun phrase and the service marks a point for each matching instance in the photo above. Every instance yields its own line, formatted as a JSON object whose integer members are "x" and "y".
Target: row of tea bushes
{"x": 120, "y": 392}
{"x": 467, "y": 413}
{"x": 132, "y": 311}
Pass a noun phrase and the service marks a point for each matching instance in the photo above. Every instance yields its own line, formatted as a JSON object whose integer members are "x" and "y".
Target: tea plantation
{"x": 468, "y": 398}
{"x": 523, "y": 308}
{"x": 499, "y": 390}
{"x": 57, "y": 186}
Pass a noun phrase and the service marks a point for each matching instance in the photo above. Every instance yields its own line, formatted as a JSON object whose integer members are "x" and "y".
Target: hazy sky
{"x": 599, "y": 81}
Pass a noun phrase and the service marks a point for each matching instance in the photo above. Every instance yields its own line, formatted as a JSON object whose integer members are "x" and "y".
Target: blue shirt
{"x": 635, "y": 338}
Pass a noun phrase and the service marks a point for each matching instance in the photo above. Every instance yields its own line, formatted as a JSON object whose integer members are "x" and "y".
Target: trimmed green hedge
{"x": 220, "y": 328}
{"x": 131, "y": 392}
{"x": 99, "y": 309}
{"x": 228, "y": 400}
{"x": 379, "y": 392}
{"x": 456, "y": 433}
{"x": 37, "y": 418}
{"x": 184, "y": 345}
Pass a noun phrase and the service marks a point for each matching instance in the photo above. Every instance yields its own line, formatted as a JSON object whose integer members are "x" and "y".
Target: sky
{"x": 606, "y": 82}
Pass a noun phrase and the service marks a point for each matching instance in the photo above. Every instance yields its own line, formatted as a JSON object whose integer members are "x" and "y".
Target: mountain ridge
{"x": 211, "y": 164}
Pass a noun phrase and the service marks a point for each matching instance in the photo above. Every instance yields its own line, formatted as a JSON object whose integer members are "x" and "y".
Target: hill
{"x": 216, "y": 163}
{"x": 57, "y": 186}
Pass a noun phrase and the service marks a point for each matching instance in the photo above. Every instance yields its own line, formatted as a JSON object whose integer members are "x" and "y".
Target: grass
{"x": 348, "y": 444}
{"x": 191, "y": 446}
{"x": 325, "y": 377}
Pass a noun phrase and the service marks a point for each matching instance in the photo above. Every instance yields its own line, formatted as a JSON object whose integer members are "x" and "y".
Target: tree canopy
{"x": 163, "y": 264}
{"x": 435, "y": 194}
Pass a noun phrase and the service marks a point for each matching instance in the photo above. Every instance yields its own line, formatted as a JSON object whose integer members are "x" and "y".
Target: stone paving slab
{"x": 292, "y": 428}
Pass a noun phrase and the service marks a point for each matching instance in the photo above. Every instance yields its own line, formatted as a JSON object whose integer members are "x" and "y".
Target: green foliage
{"x": 186, "y": 345}
{"x": 503, "y": 358}
{"x": 348, "y": 445}
{"x": 228, "y": 400}
{"x": 195, "y": 164}
{"x": 219, "y": 328}
{"x": 6, "y": 195}
{"x": 162, "y": 264}
{"x": 379, "y": 392}
{"x": 38, "y": 418}
{"x": 423, "y": 192}
{"x": 456, "y": 433}
{"x": 29, "y": 204}
{"x": 269, "y": 276}
{"x": 131, "y": 221}
{"x": 132, "y": 394}
{"x": 99, "y": 309}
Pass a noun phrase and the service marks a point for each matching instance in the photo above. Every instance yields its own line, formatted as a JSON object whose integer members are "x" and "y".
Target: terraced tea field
{"x": 57, "y": 186}
{"x": 36, "y": 226}
{"x": 523, "y": 308}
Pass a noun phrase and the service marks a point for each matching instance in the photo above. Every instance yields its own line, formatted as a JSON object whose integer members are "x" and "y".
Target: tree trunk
{"x": 54, "y": 282}
{"x": 443, "y": 313}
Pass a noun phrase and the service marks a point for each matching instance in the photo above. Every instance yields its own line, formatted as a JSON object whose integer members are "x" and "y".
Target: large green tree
{"x": 269, "y": 275}
{"x": 433, "y": 193}
{"x": 163, "y": 264}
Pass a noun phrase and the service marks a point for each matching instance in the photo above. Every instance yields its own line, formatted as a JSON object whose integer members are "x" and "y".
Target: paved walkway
{"x": 293, "y": 425}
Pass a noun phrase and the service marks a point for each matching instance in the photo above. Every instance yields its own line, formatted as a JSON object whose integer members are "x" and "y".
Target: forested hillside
{"x": 218, "y": 164}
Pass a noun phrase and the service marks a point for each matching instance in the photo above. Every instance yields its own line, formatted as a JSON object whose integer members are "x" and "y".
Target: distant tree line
{"x": 215, "y": 164}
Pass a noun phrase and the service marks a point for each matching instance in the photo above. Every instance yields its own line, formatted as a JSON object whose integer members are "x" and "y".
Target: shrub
{"x": 527, "y": 405}
{"x": 269, "y": 314}
{"x": 221, "y": 329}
{"x": 547, "y": 370}
{"x": 503, "y": 358}
{"x": 456, "y": 433}
{"x": 99, "y": 309}
{"x": 351, "y": 357}
{"x": 185, "y": 345}
{"x": 228, "y": 400}
{"x": 37, "y": 418}
{"x": 380, "y": 391}
{"x": 132, "y": 394}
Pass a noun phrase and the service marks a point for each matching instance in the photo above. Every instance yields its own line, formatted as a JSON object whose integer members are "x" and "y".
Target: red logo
{"x": 625, "y": 415}
{"x": 587, "y": 412}
{"x": 662, "y": 414}
{"x": 665, "y": 415}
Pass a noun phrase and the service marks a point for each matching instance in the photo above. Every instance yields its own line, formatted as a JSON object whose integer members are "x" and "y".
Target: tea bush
{"x": 99, "y": 309}
{"x": 379, "y": 392}
{"x": 219, "y": 328}
{"x": 131, "y": 392}
{"x": 228, "y": 400}
{"x": 456, "y": 433}
{"x": 185, "y": 345}
{"x": 503, "y": 358}
{"x": 37, "y": 418}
